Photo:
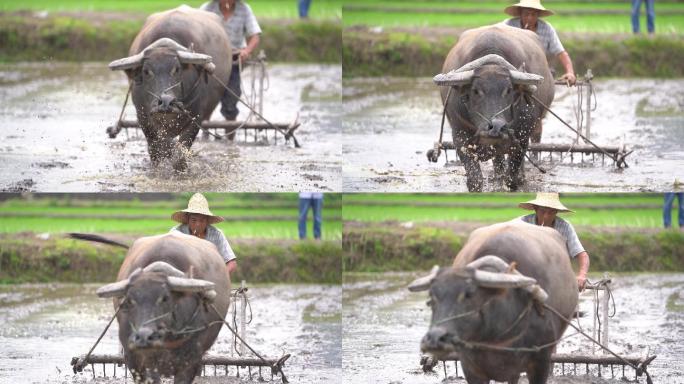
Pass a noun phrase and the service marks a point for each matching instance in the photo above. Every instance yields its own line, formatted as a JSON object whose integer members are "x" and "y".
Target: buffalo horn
{"x": 182, "y": 284}
{"x": 484, "y": 60}
{"x": 452, "y": 78}
{"x": 165, "y": 268}
{"x": 423, "y": 283}
{"x": 489, "y": 261}
{"x": 210, "y": 294}
{"x": 117, "y": 289}
{"x": 524, "y": 78}
{"x": 501, "y": 280}
{"x": 193, "y": 58}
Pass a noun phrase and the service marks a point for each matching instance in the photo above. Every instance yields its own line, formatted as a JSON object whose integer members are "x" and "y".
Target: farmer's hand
{"x": 569, "y": 78}
{"x": 244, "y": 54}
{"x": 581, "y": 281}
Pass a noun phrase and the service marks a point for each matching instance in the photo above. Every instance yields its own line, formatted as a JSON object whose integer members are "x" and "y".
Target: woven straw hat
{"x": 197, "y": 204}
{"x": 514, "y": 10}
{"x": 548, "y": 200}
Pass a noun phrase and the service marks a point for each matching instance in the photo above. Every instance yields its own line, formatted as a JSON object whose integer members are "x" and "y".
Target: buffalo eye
{"x": 174, "y": 70}
{"x": 507, "y": 91}
{"x": 148, "y": 73}
{"x": 469, "y": 292}
{"x": 429, "y": 303}
{"x": 477, "y": 92}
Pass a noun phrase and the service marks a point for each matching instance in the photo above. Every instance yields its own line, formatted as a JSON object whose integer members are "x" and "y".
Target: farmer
{"x": 244, "y": 31}
{"x": 526, "y": 15}
{"x": 545, "y": 207}
{"x": 197, "y": 220}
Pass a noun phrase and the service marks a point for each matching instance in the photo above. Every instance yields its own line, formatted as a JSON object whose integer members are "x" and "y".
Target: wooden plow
{"x": 601, "y": 365}
{"x": 582, "y": 148}
{"x": 237, "y": 364}
{"x": 250, "y": 127}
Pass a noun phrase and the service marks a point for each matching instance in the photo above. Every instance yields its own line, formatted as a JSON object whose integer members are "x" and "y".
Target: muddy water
{"x": 43, "y": 326}
{"x": 390, "y": 123}
{"x": 53, "y": 118}
{"x": 383, "y": 325}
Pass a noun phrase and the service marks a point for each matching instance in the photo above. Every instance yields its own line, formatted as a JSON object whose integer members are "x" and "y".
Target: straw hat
{"x": 514, "y": 10}
{"x": 548, "y": 200}
{"x": 197, "y": 204}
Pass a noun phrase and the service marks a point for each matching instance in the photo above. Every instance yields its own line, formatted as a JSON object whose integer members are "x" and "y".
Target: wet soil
{"x": 383, "y": 325}
{"x": 390, "y": 123}
{"x": 53, "y": 118}
{"x": 45, "y": 325}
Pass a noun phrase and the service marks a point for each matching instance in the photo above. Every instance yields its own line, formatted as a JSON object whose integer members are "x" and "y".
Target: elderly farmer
{"x": 546, "y": 206}
{"x": 244, "y": 31}
{"x": 196, "y": 220}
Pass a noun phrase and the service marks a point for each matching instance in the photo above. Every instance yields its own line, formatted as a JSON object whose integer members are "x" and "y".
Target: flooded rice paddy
{"x": 384, "y": 323}
{"x": 45, "y": 325}
{"x": 53, "y": 118}
{"x": 390, "y": 123}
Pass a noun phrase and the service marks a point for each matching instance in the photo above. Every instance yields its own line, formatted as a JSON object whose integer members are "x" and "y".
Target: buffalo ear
{"x": 423, "y": 283}
{"x": 134, "y": 74}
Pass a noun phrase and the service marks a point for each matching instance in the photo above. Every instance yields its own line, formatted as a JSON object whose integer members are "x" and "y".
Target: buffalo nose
{"x": 434, "y": 338}
{"x": 144, "y": 337}
{"x": 496, "y": 126}
{"x": 165, "y": 101}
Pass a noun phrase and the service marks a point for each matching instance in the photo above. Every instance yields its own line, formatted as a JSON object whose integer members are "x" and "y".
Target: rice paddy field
{"x": 272, "y": 9}
{"x": 628, "y": 210}
{"x": 270, "y": 216}
{"x": 611, "y": 17}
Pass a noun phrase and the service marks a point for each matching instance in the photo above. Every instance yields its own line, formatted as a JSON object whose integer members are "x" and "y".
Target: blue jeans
{"x": 650, "y": 15}
{"x": 304, "y": 205}
{"x": 303, "y": 6}
{"x": 667, "y": 208}
{"x": 229, "y": 108}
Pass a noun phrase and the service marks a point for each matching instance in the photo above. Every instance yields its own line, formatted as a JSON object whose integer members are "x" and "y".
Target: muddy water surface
{"x": 43, "y": 326}
{"x": 53, "y": 118}
{"x": 383, "y": 325}
{"x": 390, "y": 123}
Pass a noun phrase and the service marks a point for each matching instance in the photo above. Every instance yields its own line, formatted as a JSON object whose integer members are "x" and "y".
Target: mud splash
{"x": 53, "y": 118}
{"x": 383, "y": 325}
{"x": 390, "y": 123}
{"x": 45, "y": 325}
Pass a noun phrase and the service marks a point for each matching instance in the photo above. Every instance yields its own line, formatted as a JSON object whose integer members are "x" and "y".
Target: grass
{"x": 400, "y": 13}
{"x": 228, "y": 205}
{"x": 273, "y": 9}
{"x": 590, "y": 209}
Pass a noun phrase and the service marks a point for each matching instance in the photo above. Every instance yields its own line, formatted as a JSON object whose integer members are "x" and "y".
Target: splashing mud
{"x": 53, "y": 118}
{"x": 390, "y": 123}
{"x": 383, "y": 325}
{"x": 45, "y": 325}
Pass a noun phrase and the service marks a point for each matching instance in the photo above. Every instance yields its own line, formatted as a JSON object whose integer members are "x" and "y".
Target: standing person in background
{"x": 667, "y": 209}
{"x": 303, "y": 6}
{"x": 244, "y": 31}
{"x": 310, "y": 200}
{"x": 650, "y": 16}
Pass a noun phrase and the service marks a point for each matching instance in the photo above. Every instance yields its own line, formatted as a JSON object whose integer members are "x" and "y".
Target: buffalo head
{"x": 159, "y": 72}
{"x": 477, "y": 303}
{"x": 489, "y": 89}
{"x": 159, "y": 306}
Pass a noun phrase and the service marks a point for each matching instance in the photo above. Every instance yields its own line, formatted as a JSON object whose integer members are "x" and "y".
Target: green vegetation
{"x": 30, "y": 38}
{"x": 385, "y": 247}
{"x": 275, "y": 9}
{"x": 586, "y": 17}
{"x": 600, "y": 210}
{"x": 422, "y": 53}
{"x": 271, "y": 216}
{"x": 26, "y": 258}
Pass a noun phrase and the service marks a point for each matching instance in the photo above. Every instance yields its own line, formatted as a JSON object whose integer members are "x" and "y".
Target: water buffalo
{"x": 169, "y": 68}
{"x": 491, "y": 299}
{"x": 488, "y": 76}
{"x": 166, "y": 287}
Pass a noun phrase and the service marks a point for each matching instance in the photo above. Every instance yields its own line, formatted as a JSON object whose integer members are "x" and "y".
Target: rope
{"x": 286, "y": 134}
{"x": 617, "y": 159}
{"x": 275, "y": 367}
{"x": 79, "y": 364}
{"x": 235, "y": 294}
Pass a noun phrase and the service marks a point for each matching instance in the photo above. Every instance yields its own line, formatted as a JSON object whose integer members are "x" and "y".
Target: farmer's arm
{"x": 583, "y": 262}
{"x": 569, "y": 75}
